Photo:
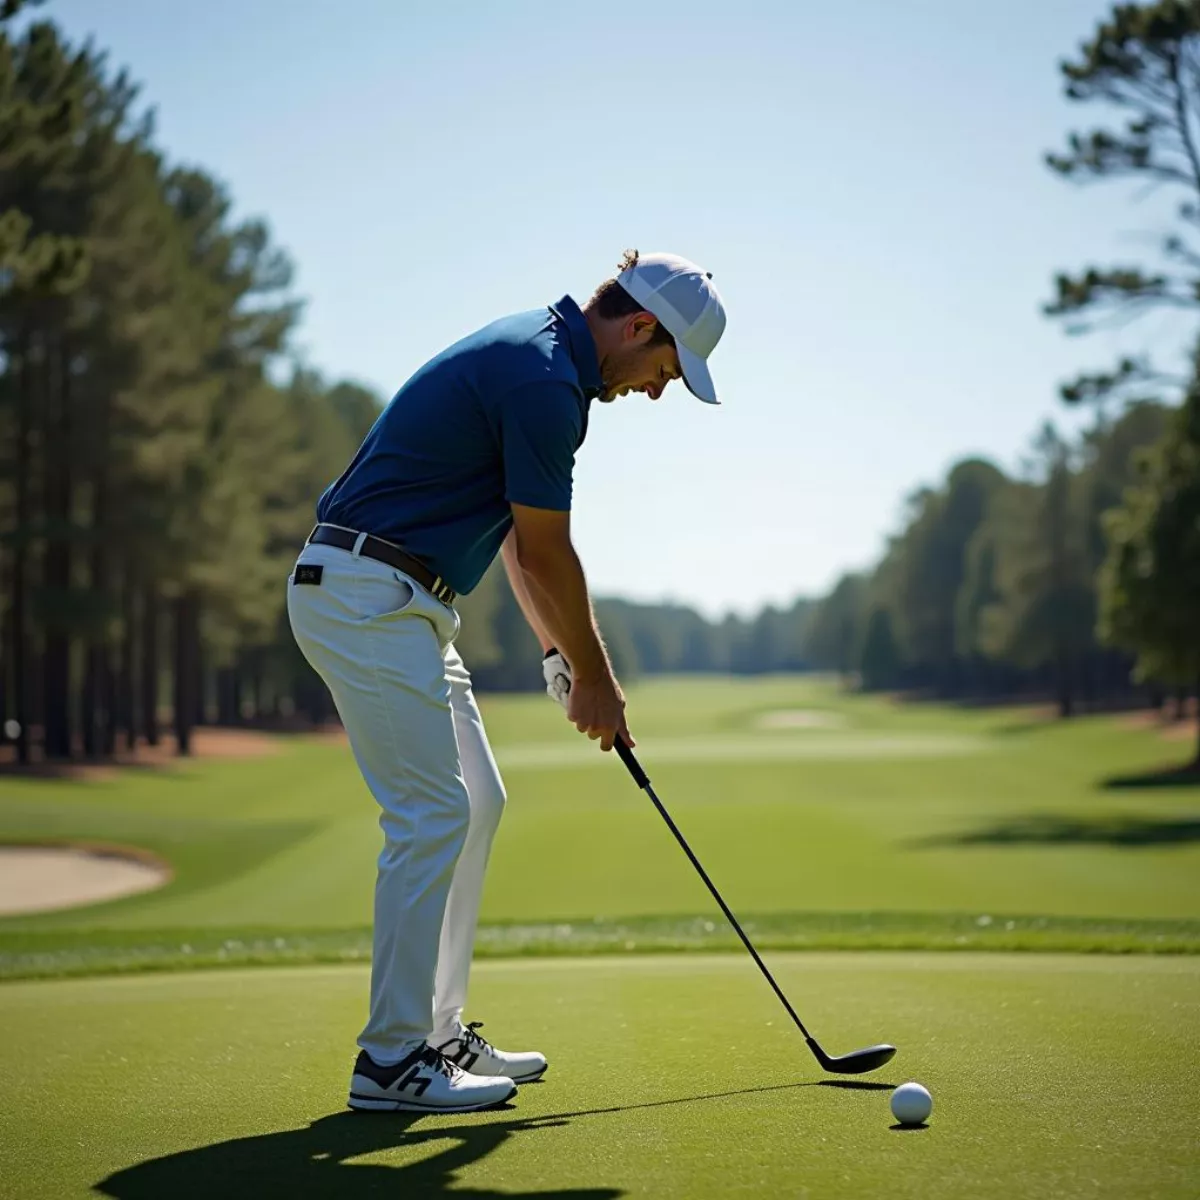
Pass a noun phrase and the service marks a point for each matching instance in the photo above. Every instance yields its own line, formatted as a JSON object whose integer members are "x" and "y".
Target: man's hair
{"x": 610, "y": 301}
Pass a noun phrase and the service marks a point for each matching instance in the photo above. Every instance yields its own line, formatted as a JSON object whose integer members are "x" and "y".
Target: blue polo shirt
{"x": 493, "y": 420}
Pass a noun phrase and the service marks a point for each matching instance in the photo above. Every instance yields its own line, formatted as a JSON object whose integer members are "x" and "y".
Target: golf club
{"x": 857, "y": 1061}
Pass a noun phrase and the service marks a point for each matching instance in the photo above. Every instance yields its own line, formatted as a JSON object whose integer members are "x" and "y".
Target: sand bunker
{"x": 801, "y": 718}
{"x": 45, "y": 878}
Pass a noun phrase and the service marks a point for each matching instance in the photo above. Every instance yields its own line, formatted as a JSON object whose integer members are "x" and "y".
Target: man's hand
{"x": 557, "y": 673}
{"x": 595, "y": 708}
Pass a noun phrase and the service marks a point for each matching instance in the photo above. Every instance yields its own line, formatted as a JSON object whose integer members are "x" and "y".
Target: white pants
{"x": 384, "y": 647}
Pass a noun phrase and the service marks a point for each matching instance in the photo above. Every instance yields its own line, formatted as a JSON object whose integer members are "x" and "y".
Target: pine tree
{"x": 1150, "y": 585}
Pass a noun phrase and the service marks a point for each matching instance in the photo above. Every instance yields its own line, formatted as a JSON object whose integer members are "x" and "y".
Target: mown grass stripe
{"x": 766, "y": 747}
{"x": 60, "y": 953}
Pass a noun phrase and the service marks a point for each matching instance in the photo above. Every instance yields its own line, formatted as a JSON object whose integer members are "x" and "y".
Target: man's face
{"x": 636, "y": 364}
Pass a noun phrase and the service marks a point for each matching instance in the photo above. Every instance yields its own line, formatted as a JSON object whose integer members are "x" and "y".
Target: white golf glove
{"x": 557, "y": 673}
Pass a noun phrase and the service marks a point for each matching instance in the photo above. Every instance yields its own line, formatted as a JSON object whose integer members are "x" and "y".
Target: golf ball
{"x": 911, "y": 1104}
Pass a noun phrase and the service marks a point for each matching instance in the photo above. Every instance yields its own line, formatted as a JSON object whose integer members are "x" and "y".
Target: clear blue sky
{"x": 864, "y": 181}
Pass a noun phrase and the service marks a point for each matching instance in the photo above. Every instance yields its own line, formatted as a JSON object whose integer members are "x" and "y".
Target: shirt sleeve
{"x": 540, "y": 429}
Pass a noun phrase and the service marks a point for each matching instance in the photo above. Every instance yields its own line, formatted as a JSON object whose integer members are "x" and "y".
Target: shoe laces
{"x": 439, "y": 1062}
{"x": 473, "y": 1039}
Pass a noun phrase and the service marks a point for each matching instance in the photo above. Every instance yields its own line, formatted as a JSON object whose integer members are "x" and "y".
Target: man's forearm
{"x": 520, "y": 588}
{"x": 558, "y": 594}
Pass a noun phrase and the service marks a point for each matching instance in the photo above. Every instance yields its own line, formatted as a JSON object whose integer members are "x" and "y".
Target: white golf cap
{"x": 683, "y": 298}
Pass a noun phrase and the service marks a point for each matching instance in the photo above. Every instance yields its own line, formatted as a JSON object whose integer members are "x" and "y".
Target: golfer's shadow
{"x": 314, "y": 1163}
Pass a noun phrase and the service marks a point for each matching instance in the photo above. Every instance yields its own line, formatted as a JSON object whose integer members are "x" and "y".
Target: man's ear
{"x": 640, "y": 327}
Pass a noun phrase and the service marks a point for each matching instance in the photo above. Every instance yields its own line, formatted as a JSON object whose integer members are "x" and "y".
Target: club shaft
{"x": 643, "y": 781}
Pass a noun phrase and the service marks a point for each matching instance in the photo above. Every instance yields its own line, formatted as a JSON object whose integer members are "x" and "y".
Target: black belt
{"x": 377, "y": 548}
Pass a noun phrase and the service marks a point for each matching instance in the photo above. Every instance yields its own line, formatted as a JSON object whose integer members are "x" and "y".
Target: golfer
{"x": 472, "y": 457}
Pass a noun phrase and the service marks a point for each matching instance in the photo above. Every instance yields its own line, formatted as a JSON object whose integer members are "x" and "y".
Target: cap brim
{"x": 696, "y": 375}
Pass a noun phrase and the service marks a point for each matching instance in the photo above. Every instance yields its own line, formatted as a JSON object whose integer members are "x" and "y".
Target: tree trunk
{"x": 94, "y": 709}
{"x": 1058, "y": 513}
{"x": 89, "y": 702}
{"x": 102, "y": 688}
{"x": 256, "y": 685}
{"x": 56, "y": 669}
{"x": 236, "y": 687}
{"x": 35, "y": 687}
{"x": 1088, "y": 674}
{"x": 199, "y": 677}
{"x": 18, "y": 618}
{"x": 180, "y": 703}
{"x": 108, "y": 746}
{"x": 316, "y": 702}
{"x": 151, "y": 632}
{"x": 5, "y": 660}
{"x": 1197, "y": 763}
{"x": 225, "y": 689}
{"x": 98, "y": 718}
{"x": 57, "y": 571}
{"x": 1064, "y": 684}
{"x": 126, "y": 708}
{"x": 186, "y": 675}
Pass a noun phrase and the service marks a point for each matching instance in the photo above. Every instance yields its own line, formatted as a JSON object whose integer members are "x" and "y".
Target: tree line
{"x": 154, "y": 481}
{"x": 642, "y": 639}
{"x": 1002, "y": 585}
{"x": 161, "y": 451}
{"x": 1084, "y": 573}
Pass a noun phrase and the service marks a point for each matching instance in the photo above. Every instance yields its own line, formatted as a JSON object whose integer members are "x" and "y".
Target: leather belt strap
{"x": 385, "y": 552}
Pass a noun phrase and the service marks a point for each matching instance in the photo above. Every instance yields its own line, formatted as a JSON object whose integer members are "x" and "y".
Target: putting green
{"x": 671, "y": 1077}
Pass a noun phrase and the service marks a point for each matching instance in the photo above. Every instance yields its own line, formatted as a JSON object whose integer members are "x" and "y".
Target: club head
{"x": 857, "y": 1062}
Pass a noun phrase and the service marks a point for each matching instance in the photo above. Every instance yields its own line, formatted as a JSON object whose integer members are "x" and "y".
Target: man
{"x": 473, "y": 456}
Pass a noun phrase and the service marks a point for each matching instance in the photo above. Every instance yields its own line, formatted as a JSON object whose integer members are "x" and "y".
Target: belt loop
{"x": 358, "y": 545}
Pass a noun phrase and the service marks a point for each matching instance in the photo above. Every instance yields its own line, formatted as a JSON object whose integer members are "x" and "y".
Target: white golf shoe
{"x": 464, "y": 1047}
{"x": 425, "y": 1081}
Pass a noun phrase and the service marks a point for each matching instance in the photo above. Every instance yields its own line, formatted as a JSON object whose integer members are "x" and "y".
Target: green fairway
{"x": 1051, "y": 1076}
{"x": 827, "y": 819}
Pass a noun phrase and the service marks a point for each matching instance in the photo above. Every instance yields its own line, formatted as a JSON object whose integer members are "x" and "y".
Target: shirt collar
{"x": 582, "y": 344}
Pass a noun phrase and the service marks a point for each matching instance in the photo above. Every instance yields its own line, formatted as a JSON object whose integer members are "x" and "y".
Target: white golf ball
{"x": 911, "y": 1104}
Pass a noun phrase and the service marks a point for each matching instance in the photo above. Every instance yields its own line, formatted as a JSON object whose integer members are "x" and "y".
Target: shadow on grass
{"x": 1166, "y": 777}
{"x": 97, "y": 770}
{"x": 316, "y": 1161}
{"x": 1128, "y": 832}
{"x": 856, "y": 1085}
{"x": 846, "y": 1084}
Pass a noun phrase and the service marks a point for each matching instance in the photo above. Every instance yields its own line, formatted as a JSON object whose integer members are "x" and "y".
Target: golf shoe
{"x": 464, "y": 1047}
{"x": 424, "y": 1081}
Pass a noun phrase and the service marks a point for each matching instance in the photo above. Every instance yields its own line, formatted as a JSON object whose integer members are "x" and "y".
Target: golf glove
{"x": 557, "y": 673}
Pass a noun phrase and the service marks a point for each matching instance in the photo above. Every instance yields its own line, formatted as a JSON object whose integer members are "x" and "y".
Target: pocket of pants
{"x": 377, "y": 597}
